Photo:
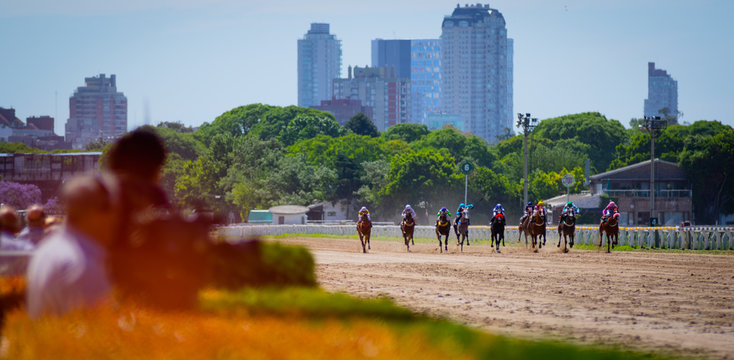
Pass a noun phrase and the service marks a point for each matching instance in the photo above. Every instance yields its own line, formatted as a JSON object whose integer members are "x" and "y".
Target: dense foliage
{"x": 19, "y": 196}
{"x": 258, "y": 156}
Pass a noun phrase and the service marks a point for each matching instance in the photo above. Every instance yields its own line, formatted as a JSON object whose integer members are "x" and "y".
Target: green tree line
{"x": 257, "y": 156}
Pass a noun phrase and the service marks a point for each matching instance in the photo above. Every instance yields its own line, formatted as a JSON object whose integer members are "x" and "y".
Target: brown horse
{"x": 443, "y": 228}
{"x": 567, "y": 230}
{"x": 407, "y": 226}
{"x": 498, "y": 231}
{"x": 463, "y": 229}
{"x": 536, "y": 229}
{"x": 364, "y": 229}
{"x": 611, "y": 228}
{"x": 522, "y": 229}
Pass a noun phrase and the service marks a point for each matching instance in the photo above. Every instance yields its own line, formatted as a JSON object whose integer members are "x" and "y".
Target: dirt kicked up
{"x": 670, "y": 303}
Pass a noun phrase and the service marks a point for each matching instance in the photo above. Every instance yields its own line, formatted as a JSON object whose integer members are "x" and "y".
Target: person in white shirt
{"x": 68, "y": 270}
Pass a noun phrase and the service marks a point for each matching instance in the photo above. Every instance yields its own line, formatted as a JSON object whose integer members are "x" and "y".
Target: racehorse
{"x": 443, "y": 228}
{"x": 523, "y": 229}
{"x": 567, "y": 230}
{"x": 498, "y": 231}
{"x": 407, "y": 226}
{"x": 611, "y": 228}
{"x": 536, "y": 229}
{"x": 463, "y": 229}
{"x": 364, "y": 229}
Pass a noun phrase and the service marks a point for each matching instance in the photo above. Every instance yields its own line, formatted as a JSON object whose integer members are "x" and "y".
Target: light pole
{"x": 527, "y": 124}
{"x": 653, "y": 123}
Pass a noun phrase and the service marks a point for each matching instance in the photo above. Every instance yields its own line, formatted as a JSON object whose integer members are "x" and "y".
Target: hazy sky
{"x": 191, "y": 60}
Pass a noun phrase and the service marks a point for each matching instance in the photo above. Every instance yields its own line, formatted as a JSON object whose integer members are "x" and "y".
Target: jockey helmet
{"x": 540, "y": 203}
{"x": 569, "y": 203}
{"x": 498, "y": 205}
{"x": 530, "y": 203}
{"x": 611, "y": 203}
{"x": 461, "y": 205}
{"x": 444, "y": 209}
{"x": 364, "y": 208}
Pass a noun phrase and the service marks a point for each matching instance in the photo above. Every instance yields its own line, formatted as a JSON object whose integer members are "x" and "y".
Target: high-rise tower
{"x": 96, "y": 110}
{"x": 319, "y": 63}
{"x": 476, "y": 70}
{"x": 662, "y": 94}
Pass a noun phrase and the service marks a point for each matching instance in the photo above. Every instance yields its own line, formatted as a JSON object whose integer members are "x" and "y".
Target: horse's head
{"x": 465, "y": 213}
{"x": 409, "y": 218}
{"x": 570, "y": 219}
{"x": 443, "y": 219}
{"x": 500, "y": 217}
{"x": 613, "y": 220}
{"x": 363, "y": 217}
{"x": 538, "y": 218}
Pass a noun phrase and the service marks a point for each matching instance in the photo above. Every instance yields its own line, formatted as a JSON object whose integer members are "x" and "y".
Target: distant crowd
{"x": 73, "y": 256}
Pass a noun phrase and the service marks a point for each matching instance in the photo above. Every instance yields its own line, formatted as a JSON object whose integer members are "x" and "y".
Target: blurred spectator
{"x": 9, "y": 227}
{"x": 136, "y": 159}
{"x": 68, "y": 270}
{"x": 36, "y": 223}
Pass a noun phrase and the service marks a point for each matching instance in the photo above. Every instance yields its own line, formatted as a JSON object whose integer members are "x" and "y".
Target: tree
{"x": 274, "y": 122}
{"x": 236, "y": 122}
{"x": 375, "y": 177}
{"x": 324, "y": 149}
{"x": 426, "y": 175}
{"x": 406, "y": 132}
{"x": 307, "y": 126}
{"x": 709, "y": 165}
{"x": 177, "y": 142}
{"x": 19, "y": 196}
{"x": 176, "y": 126}
{"x": 360, "y": 124}
{"x": 493, "y": 188}
{"x": 592, "y": 129}
{"x": 17, "y": 148}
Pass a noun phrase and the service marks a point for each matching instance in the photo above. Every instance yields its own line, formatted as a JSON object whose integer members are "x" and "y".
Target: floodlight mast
{"x": 527, "y": 124}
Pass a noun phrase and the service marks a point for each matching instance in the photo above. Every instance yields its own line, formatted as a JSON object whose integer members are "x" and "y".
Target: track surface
{"x": 674, "y": 303}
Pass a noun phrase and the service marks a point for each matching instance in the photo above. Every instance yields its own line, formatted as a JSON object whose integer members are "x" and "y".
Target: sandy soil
{"x": 673, "y": 303}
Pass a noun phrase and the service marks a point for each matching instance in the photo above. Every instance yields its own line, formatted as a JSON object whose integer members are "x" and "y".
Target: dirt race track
{"x": 674, "y": 303}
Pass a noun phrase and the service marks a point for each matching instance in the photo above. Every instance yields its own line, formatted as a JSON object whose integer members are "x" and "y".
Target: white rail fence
{"x": 669, "y": 237}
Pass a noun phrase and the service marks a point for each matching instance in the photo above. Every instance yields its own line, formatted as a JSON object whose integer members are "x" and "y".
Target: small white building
{"x": 288, "y": 214}
{"x": 328, "y": 212}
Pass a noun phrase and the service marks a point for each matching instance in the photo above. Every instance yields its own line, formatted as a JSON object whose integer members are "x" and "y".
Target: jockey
{"x": 408, "y": 210}
{"x": 528, "y": 211}
{"x": 498, "y": 209}
{"x": 540, "y": 209}
{"x": 364, "y": 211}
{"x": 609, "y": 211}
{"x": 443, "y": 211}
{"x": 459, "y": 212}
{"x": 570, "y": 208}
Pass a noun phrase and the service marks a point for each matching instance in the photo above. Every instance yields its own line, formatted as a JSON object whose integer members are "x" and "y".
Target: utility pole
{"x": 527, "y": 124}
{"x": 653, "y": 123}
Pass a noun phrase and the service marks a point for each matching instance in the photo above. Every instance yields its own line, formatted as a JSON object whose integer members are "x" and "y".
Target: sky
{"x": 191, "y": 60}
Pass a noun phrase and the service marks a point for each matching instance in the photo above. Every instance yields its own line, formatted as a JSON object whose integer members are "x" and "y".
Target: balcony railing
{"x": 662, "y": 193}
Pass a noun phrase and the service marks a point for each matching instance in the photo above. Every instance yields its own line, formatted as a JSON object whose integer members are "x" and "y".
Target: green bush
{"x": 260, "y": 264}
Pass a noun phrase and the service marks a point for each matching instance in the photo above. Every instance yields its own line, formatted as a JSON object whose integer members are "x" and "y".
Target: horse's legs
{"x": 361, "y": 240}
{"x": 368, "y": 240}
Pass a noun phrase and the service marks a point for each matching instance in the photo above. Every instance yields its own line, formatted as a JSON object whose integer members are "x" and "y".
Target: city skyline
{"x": 191, "y": 61}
